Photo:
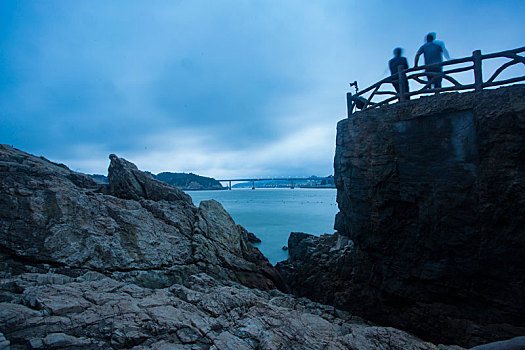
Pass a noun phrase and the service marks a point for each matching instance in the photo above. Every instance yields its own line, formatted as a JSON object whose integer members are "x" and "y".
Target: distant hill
{"x": 180, "y": 180}
{"x": 189, "y": 181}
{"x": 99, "y": 178}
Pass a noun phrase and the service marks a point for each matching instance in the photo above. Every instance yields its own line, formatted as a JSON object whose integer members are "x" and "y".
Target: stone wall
{"x": 431, "y": 195}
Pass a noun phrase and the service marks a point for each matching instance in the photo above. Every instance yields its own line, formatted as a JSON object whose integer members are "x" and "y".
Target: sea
{"x": 272, "y": 213}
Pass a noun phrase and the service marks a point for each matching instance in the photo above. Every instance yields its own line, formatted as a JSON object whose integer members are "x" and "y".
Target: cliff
{"x": 431, "y": 229}
{"x": 134, "y": 264}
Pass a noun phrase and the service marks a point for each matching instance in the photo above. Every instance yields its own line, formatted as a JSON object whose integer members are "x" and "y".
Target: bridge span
{"x": 290, "y": 179}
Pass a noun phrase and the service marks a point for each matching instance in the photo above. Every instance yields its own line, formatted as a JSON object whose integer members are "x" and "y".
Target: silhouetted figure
{"x": 433, "y": 53}
{"x": 394, "y": 64}
{"x": 440, "y": 43}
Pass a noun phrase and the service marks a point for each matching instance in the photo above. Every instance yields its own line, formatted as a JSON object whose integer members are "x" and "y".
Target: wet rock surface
{"x": 432, "y": 203}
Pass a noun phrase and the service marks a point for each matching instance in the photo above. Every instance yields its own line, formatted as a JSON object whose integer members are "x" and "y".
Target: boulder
{"x": 252, "y": 238}
{"x": 128, "y": 182}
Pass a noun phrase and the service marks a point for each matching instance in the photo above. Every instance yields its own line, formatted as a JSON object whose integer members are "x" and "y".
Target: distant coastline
{"x": 203, "y": 189}
{"x": 312, "y": 182}
{"x": 318, "y": 187}
{"x": 183, "y": 181}
{"x": 194, "y": 182}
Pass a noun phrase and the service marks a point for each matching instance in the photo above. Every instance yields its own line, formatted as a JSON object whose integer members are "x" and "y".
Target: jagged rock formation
{"x": 133, "y": 264}
{"x": 431, "y": 229}
{"x": 252, "y": 238}
{"x": 136, "y": 228}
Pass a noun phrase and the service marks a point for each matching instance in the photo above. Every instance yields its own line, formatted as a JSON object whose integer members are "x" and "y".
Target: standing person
{"x": 394, "y": 64}
{"x": 433, "y": 53}
{"x": 442, "y": 44}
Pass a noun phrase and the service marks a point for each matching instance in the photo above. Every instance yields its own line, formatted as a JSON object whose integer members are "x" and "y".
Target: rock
{"x": 317, "y": 265}
{"x": 187, "y": 335}
{"x": 202, "y": 313}
{"x": 4, "y": 343}
{"x": 126, "y": 181}
{"x": 252, "y": 238}
{"x": 432, "y": 208}
{"x": 137, "y": 229}
{"x": 218, "y": 241}
{"x": 134, "y": 264}
{"x": 511, "y": 344}
{"x": 62, "y": 340}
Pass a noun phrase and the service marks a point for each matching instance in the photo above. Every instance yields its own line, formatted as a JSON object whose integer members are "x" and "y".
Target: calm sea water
{"x": 273, "y": 213}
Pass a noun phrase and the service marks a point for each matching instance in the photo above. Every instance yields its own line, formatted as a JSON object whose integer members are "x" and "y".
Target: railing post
{"x": 478, "y": 74}
{"x": 349, "y": 103}
{"x": 402, "y": 83}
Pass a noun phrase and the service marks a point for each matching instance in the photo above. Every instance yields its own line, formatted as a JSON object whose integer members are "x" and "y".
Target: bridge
{"x": 364, "y": 99}
{"x": 290, "y": 179}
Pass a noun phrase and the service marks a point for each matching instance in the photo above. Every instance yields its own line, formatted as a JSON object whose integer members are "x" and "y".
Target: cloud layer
{"x": 220, "y": 88}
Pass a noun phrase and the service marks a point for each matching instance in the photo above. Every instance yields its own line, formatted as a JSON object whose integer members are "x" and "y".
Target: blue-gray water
{"x": 273, "y": 213}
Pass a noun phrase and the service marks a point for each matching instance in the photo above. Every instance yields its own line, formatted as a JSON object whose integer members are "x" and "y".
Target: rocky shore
{"x": 134, "y": 264}
{"x": 431, "y": 229}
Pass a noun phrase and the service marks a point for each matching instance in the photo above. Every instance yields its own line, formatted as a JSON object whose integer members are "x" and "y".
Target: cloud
{"x": 223, "y": 88}
{"x": 296, "y": 152}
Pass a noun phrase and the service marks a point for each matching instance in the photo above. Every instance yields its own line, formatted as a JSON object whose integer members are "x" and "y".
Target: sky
{"x": 221, "y": 88}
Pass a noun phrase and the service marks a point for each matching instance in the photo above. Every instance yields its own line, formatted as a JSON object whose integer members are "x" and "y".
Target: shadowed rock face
{"x": 432, "y": 195}
{"x": 133, "y": 264}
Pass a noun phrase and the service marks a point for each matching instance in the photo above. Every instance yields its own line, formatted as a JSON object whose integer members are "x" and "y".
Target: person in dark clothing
{"x": 394, "y": 64}
{"x": 433, "y": 53}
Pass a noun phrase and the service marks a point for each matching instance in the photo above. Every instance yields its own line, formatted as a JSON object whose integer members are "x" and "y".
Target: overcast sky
{"x": 216, "y": 87}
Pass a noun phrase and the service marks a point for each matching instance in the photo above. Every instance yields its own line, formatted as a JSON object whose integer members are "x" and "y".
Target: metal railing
{"x": 364, "y": 99}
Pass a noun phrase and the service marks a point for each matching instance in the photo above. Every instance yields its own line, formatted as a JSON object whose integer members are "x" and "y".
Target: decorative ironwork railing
{"x": 426, "y": 76}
